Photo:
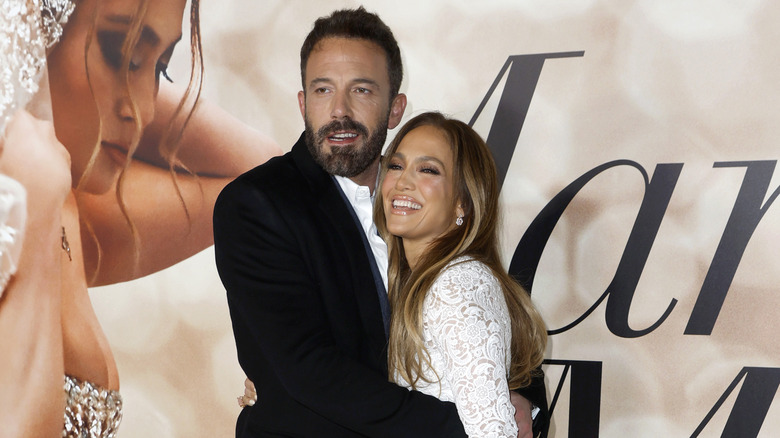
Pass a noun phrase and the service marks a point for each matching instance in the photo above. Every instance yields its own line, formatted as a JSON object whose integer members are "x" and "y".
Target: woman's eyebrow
{"x": 426, "y": 158}
{"x": 147, "y": 33}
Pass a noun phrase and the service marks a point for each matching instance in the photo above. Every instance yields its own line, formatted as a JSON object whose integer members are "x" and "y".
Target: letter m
{"x": 752, "y": 404}
{"x": 523, "y": 74}
{"x": 584, "y": 395}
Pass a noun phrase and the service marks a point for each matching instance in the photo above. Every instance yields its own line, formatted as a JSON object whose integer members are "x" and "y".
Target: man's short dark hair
{"x": 356, "y": 24}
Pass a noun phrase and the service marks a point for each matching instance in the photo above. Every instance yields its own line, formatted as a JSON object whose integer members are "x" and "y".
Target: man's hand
{"x": 522, "y": 415}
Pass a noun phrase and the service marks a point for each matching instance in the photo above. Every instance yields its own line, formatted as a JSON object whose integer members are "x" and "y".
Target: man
{"x": 298, "y": 255}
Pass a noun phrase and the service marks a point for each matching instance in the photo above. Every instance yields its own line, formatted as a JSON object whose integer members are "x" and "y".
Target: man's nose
{"x": 341, "y": 107}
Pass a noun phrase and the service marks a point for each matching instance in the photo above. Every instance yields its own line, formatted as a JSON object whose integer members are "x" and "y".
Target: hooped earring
{"x": 459, "y": 221}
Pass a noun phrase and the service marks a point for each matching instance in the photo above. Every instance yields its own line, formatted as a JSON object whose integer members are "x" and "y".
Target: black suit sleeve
{"x": 278, "y": 313}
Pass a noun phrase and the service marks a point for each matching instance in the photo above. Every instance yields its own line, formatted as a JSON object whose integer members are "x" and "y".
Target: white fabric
{"x": 12, "y": 219}
{"x": 467, "y": 333}
{"x": 22, "y": 55}
{"x": 363, "y": 204}
{"x": 22, "y": 62}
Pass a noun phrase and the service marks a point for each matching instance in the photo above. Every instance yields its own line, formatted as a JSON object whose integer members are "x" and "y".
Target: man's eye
{"x": 362, "y": 90}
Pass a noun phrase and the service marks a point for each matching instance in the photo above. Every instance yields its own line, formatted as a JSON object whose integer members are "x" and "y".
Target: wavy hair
{"x": 171, "y": 137}
{"x": 476, "y": 188}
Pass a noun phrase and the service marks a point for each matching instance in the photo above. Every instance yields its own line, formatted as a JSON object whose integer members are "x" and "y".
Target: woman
{"x": 462, "y": 329}
{"x": 130, "y": 193}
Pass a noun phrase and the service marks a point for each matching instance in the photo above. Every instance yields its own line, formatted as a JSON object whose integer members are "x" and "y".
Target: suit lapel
{"x": 335, "y": 211}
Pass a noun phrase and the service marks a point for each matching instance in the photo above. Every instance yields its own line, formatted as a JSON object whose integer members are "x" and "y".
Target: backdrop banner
{"x": 637, "y": 143}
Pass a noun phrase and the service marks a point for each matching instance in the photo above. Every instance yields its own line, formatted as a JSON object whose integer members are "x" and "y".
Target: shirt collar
{"x": 355, "y": 191}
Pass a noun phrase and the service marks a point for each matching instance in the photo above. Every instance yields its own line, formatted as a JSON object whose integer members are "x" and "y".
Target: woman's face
{"x": 418, "y": 189}
{"x": 77, "y": 113}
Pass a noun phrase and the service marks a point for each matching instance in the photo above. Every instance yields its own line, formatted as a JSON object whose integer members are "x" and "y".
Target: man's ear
{"x": 397, "y": 108}
{"x": 302, "y": 103}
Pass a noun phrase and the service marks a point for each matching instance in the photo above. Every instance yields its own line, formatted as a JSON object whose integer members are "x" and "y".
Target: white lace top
{"x": 468, "y": 336}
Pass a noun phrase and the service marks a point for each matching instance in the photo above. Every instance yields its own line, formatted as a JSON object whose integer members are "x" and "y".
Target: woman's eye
{"x": 111, "y": 47}
{"x": 430, "y": 170}
{"x": 162, "y": 69}
{"x": 111, "y": 43}
{"x": 393, "y": 166}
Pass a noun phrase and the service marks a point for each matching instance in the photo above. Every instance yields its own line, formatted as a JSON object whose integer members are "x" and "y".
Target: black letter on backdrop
{"x": 745, "y": 215}
{"x": 621, "y": 290}
{"x": 752, "y": 403}
{"x": 514, "y": 104}
{"x": 584, "y": 396}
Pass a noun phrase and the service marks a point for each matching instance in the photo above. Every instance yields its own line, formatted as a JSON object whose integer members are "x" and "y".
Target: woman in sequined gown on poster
{"x": 462, "y": 329}
{"x": 123, "y": 191}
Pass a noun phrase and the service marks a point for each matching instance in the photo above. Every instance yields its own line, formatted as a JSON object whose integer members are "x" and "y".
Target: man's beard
{"x": 349, "y": 160}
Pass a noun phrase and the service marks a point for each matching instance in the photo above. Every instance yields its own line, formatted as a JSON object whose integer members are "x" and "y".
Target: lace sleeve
{"x": 469, "y": 324}
{"x": 12, "y": 218}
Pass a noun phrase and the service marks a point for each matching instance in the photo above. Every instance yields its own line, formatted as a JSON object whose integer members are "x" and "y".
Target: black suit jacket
{"x": 305, "y": 311}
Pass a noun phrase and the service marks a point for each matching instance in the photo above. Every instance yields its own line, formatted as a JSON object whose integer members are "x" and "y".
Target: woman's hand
{"x": 250, "y": 394}
{"x": 522, "y": 415}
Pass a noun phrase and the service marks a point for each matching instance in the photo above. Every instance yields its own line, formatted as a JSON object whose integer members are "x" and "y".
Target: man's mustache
{"x": 342, "y": 125}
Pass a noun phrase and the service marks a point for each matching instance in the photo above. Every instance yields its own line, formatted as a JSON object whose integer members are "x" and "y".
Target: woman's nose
{"x": 143, "y": 97}
{"x": 404, "y": 181}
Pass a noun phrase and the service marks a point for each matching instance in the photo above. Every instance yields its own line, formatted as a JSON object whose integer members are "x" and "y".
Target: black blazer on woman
{"x": 306, "y": 313}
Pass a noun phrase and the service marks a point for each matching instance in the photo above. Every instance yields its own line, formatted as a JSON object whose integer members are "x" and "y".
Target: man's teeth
{"x": 406, "y": 204}
{"x": 343, "y": 136}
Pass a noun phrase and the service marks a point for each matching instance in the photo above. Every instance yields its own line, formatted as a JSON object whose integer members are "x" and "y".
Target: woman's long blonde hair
{"x": 169, "y": 140}
{"x": 476, "y": 188}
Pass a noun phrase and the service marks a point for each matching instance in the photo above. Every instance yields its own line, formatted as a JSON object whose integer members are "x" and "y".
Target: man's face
{"x": 346, "y": 105}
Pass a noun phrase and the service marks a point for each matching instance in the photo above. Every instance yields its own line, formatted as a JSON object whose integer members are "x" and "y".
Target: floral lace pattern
{"x": 467, "y": 333}
{"x": 27, "y": 29}
{"x": 90, "y": 411}
{"x": 22, "y": 54}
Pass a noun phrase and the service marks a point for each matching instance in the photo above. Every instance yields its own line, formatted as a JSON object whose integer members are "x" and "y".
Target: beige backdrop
{"x": 677, "y": 81}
